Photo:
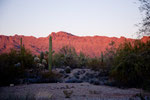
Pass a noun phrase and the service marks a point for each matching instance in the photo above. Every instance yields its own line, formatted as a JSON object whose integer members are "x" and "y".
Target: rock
{"x": 67, "y": 69}
{"x": 32, "y": 80}
{"x": 94, "y": 82}
{"x": 85, "y": 79}
{"x": 83, "y": 71}
{"x": 76, "y": 75}
{"x": 84, "y": 75}
{"x": 89, "y": 75}
{"x": 62, "y": 71}
{"x": 73, "y": 80}
{"x": 111, "y": 83}
{"x": 18, "y": 64}
{"x": 11, "y": 85}
{"x": 65, "y": 76}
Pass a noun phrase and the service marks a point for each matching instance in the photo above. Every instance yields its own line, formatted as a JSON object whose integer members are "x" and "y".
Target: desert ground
{"x": 81, "y": 91}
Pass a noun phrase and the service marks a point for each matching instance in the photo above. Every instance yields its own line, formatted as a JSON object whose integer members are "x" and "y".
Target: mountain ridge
{"x": 89, "y": 45}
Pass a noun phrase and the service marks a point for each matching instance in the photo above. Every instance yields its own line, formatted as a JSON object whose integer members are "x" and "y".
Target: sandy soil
{"x": 81, "y": 91}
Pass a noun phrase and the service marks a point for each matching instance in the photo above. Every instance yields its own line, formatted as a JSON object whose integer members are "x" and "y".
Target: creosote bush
{"x": 67, "y": 56}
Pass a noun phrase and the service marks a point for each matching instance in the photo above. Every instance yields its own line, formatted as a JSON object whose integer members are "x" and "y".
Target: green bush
{"x": 51, "y": 77}
{"x": 132, "y": 65}
{"x": 82, "y": 60}
{"x": 67, "y": 56}
{"x": 95, "y": 64}
{"x": 109, "y": 55}
{"x": 58, "y": 60}
{"x": 26, "y": 58}
{"x": 13, "y": 65}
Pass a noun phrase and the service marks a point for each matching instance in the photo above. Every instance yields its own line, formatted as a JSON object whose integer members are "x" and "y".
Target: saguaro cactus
{"x": 102, "y": 57}
{"x": 50, "y": 54}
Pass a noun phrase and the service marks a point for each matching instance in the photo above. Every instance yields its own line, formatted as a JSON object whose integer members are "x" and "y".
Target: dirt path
{"x": 81, "y": 91}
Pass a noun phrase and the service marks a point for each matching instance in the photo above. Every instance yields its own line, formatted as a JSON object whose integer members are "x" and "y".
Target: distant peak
{"x": 145, "y": 38}
{"x": 61, "y": 33}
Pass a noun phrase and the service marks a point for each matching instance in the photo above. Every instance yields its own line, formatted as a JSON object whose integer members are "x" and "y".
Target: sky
{"x": 113, "y": 18}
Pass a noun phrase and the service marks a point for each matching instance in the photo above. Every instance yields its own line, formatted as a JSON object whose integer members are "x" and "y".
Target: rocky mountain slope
{"x": 89, "y": 45}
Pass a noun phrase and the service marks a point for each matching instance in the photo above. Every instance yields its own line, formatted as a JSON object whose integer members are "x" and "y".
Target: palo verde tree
{"x": 145, "y": 24}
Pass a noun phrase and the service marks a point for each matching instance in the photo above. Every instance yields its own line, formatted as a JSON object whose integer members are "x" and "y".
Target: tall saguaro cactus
{"x": 102, "y": 57}
{"x": 50, "y": 54}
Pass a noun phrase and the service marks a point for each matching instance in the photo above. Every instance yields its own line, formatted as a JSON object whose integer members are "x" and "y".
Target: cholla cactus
{"x": 18, "y": 64}
{"x": 40, "y": 66}
{"x": 44, "y": 62}
{"x": 36, "y": 60}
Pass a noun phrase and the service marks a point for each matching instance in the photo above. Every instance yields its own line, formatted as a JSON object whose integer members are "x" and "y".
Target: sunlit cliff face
{"x": 92, "y": 46}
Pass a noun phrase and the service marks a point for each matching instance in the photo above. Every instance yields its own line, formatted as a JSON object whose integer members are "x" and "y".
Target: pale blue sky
{"x": 80, "y": 17}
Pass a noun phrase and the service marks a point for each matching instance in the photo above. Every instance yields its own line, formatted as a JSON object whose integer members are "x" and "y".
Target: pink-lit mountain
{"x": 89, "y": 45}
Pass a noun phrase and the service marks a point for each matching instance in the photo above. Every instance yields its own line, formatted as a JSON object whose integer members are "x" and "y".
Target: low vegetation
{"x": 13, "y": 65}
{"x": 66, "y": 56}
{"x": 131, "y": 66}
{"x": 128, "y": 65}
{"x": 68, "y": 93}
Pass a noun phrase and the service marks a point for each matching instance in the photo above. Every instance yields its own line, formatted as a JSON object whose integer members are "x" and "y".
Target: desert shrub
{"x": 26, "y": 58}
{"x": 58, "y": 60}
{"x": 68, "y": 93}
{"x": 8, "y": 71}
{"x": 67, "y": 56}
{"x": 13, "y": 65}
{"x": 68, "y": 69}
{"x": 95, "y": 63}
{"x": 51, "y": 77}
{"x": 70, "y": 56}
{"x": 82, "y": 60}
{"x": 131, "y": 64}
{"x": 109, "y": 55}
